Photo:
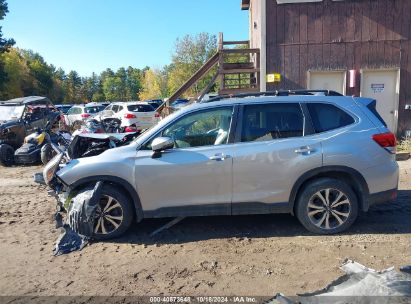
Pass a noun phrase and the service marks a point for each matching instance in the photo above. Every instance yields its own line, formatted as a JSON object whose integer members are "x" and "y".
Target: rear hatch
{"x": 144, "y": 113}
{"x": 384, "y": 138}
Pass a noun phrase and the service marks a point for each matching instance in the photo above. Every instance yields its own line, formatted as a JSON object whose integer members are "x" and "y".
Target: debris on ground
{"x": 78, "y": 227}
{"x": 357, "y": 283}
{"x": 167, "y": 226}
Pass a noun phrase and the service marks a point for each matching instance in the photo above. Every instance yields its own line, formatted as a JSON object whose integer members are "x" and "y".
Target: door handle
{"x": 219, "y": 157}
{"x": 304, "y": 150}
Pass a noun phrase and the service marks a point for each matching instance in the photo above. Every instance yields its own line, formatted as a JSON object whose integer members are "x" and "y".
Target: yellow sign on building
{"x": 275, "y": 77}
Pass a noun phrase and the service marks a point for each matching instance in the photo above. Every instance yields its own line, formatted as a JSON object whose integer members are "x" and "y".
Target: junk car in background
{"x": 20, "y": 117}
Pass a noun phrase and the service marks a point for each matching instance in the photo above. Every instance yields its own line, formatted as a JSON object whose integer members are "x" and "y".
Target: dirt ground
{"x": 243, "y": 255}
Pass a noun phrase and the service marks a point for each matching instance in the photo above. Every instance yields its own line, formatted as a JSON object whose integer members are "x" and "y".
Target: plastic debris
{"x": 359, "y": 285}
{"x": 77, "y": 229}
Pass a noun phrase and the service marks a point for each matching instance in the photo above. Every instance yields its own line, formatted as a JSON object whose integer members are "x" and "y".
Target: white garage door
{"x": 383, "y": 86}
{"x": 327, "y": 80}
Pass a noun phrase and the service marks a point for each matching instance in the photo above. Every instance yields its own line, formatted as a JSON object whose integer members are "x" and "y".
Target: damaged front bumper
{"x": 58, "y": 189}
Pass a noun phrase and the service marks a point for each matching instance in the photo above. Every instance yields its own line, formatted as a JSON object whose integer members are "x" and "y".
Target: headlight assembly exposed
{"x": 51, "y": 168}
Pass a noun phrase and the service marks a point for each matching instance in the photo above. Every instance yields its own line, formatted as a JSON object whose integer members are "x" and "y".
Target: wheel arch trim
{"x": 118, "y": 181}
{"x": 358, "y": 179}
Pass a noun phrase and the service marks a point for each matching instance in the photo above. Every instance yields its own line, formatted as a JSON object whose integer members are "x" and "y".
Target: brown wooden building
{"x": 356, "y": 47}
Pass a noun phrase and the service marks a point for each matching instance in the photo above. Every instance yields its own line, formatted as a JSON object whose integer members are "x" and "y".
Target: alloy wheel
{"x": 329, "y": 208}
{"x": 109, "y": 215}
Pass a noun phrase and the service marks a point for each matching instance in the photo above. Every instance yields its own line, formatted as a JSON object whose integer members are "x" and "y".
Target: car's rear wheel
{"x": 6, "y": 155}
{"x": 327, "y": 206}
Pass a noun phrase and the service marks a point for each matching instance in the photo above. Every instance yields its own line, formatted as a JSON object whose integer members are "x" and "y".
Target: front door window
{"x": 204, "y": 128}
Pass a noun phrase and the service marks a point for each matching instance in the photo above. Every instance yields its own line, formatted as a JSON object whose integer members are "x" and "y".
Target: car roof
{"x": 86, "y": 105}
{"x": 262, "y": 99}
{"x": 26, "y": 100}
{"x": 129, "y": 103}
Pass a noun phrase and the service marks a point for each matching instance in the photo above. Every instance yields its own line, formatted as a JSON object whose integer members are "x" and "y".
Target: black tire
{"x": 127, "y": 213}
{"x": 47, "y": 153}
{"x": 312, "y": 210}
{"x": 6, "y": 155}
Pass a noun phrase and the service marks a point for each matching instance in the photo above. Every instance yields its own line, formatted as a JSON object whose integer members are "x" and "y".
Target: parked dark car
{"x": 155, "y": 103}
{"x": 20, "y": 117}
{"x": 180, "y": 103}
{"x": 64, "y": 108}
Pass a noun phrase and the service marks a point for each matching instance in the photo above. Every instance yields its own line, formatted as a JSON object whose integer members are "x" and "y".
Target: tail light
{"x": 157, "y": 115}
{"x": 85, "y": 115}
{"x": 386, "y": 141}
{"x": 130, "y": 129}
{"x": 128, "y": 116}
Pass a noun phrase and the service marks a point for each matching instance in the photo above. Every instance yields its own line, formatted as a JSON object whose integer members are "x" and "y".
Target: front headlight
{"x": 51, "y": 168}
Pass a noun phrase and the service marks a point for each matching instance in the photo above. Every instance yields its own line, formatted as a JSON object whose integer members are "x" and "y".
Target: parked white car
{"x": 140, "y": 114}
{"x": 78, "y": 114}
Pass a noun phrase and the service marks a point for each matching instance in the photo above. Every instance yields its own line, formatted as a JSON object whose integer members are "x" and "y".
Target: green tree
{"x": 5, "y": 45}
{"x": 57, "y": 93}
{"x": 191, "y": 52}
{"x": 72, "y": 86}
{"x": 134, "y": 85}
{"x": 18, "y": 78}
{"x": 41, "y": 74}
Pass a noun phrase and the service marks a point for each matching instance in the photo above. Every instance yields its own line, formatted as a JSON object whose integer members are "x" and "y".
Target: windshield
{"x": 179, "y": 101}
{"x": 140, "y": 108}
{"x": 149, "y": 132}
{"x": 11, "y": 112}
{"x": 64, "y": 109}
{"x": 93, "y": 110}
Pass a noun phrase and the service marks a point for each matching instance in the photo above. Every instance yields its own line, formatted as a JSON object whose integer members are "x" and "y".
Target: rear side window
{"x": 272, "y": 121}
{"x": 326, "y": 117}
{"x": 140, "y": 108}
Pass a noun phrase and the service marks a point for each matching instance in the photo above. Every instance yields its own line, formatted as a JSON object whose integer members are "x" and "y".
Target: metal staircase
{"x": 238, "y": 72}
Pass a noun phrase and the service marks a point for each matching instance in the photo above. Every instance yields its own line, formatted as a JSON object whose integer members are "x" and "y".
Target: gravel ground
{"x": 243, "y": 255}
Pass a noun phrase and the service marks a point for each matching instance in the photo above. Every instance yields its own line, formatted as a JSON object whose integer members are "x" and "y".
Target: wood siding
{"x": 340, "y": 35}
{"x": 255, "y": 26}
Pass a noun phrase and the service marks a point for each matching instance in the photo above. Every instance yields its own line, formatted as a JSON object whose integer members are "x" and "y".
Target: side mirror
{"x": 162, "y": 143}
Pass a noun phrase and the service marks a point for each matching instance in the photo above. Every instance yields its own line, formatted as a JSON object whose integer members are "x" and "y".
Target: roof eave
{"x": 245, "y": 5}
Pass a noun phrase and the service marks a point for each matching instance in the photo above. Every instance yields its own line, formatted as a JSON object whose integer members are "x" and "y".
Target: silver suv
{"x": 319, "y": 156}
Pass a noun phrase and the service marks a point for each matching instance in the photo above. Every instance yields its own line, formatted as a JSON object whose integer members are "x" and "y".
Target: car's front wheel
{"x": 114, "y": 214}
{"x": 327, "y": 206}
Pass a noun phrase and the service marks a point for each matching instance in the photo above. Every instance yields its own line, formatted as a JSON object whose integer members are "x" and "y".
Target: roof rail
{"x": 274, "y": 93}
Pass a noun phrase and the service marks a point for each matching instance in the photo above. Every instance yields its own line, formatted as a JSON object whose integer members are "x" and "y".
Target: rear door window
{"x": 326, "y": 117}
{"x": 264, "y": 122}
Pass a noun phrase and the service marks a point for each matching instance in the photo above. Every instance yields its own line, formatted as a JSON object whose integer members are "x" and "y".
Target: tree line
{"x": 25, "y": 72}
